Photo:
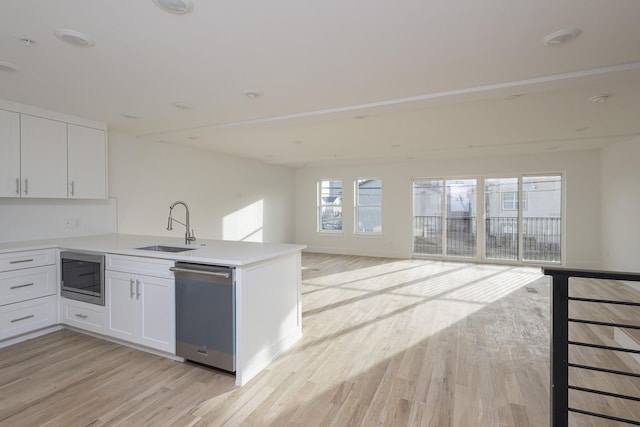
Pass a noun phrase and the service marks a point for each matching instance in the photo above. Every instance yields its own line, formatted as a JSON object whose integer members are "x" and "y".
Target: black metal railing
{"x": 560, "y": 343}
{"x": 541, "y": 237}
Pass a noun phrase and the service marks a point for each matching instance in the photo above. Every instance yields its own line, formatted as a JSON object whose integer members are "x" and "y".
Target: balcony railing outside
{"x": 541, "y": 237}
{"x": 561, "y": 382}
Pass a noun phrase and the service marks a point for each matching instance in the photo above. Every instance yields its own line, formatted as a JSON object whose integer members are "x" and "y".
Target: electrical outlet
{"x": 71, "y": 222}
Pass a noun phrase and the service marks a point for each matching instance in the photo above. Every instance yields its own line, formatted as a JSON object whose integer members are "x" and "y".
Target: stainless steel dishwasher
{"x": 206, "y": 314}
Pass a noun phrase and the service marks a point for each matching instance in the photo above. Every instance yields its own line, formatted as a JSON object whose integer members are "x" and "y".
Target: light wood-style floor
{"x": 386, "y": 343}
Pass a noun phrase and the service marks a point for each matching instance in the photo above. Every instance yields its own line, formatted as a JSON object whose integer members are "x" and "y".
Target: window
{"x": 532, "y": 233}
{"x": 501, "y": 220}
{"x": 330, "y": 205}
{"x": 521, "y": 218}
{"x": 542, "y": 223}
{"x": 445, "y": 217}
{"x": 428, "y": 203}
{"x": 510, "y": 201}
{"x": 368, "y": 205}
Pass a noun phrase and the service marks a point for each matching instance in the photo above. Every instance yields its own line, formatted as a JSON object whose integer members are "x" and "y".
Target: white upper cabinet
{"x": 9, "y": 154}
{"x": 44, "y": 154}
{"x": 43, "y": 157}
{"x": 87, "y": 157}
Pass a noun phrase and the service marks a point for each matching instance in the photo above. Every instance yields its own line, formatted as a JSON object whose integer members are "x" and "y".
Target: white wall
{"x": 229, "y": 198}
{"x": 34, "y": 219}
{"x": 621, "y": 206}
{"x": 582, "y": 185}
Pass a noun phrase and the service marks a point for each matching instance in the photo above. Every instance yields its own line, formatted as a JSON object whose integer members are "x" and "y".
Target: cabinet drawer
{"x": 27, "y": 259}
{"x": 140, "y": 265}
{"x": 22, "y": 285}
{"x": 23, "y": 317}
{"x": 82, "y": 315}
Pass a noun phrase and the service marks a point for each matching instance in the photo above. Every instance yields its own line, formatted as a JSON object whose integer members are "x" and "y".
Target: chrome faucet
{"x": 189, "y": 236}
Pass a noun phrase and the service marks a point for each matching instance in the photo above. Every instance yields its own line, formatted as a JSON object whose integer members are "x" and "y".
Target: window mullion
{"x": 520, "y": 218}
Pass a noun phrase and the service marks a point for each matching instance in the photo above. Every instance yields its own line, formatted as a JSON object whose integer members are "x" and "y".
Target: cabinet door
{"x": 157, "y": 313}
{"x": 9, "y": 154}
{"x": 43, "y": 152}
{"x": 87, "y": 157}
{"x": 122, "y": 305}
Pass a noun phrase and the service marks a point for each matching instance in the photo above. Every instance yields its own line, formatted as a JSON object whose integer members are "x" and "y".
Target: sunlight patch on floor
{"x": 417, "y": 296}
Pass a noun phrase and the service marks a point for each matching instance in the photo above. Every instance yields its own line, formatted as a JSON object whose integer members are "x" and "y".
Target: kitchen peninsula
{"x": 268, "y": 318}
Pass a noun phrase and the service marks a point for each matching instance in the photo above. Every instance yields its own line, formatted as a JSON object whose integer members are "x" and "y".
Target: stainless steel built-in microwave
{"x": 82, "y": 276}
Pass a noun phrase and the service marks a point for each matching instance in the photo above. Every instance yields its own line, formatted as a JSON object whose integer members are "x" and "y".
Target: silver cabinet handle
{"x": 19, "y": 319}
{"x": 138, "y": 289}
{"x": 21, "y": 261}
{"x": 81, "y": 316}
{"x": 73, "y": 188}
{"x": 131, "y": 288}
{"x": 21, "y": 286}
{"x": 17, "y": 186}
{"x": 26, "y": 186}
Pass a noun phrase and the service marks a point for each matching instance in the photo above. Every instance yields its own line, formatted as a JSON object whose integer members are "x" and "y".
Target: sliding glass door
{"x": 427, "y": 216}
{"x": 445, "y": 217}
{"x": 461, "y": 210}
{"x": 501, "y": 213}
{"x": 522, "y": 218}
{"x": 542, "y": 218}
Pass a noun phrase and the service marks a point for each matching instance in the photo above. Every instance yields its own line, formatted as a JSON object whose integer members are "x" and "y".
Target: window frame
{"x": 357, "y": 205}
{"x": 523, "y": 232}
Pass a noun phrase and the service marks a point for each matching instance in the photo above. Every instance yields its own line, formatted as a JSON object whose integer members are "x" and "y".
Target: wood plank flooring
{"x": 386, "y": 343}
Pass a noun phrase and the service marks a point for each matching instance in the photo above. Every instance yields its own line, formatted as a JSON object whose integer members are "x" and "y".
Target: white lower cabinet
{"x": 28, "y": 283}
{"x": 28, "y": 290}
{"x": 82, "y": 315}
{"x": 27, "y": 316}
{"x": 141, "y": 309}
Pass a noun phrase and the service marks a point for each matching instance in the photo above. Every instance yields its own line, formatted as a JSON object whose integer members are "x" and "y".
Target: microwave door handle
{"x": 132, "y": 291}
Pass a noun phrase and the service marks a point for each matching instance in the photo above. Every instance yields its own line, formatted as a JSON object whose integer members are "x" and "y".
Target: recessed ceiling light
{"x": 599, "y": 99}
{"x": 179, "y": 7}
{"x": 75, "y": 38}
{"x": 8, "y": 67}
{"x": 561, "y": 36}
{"x": 252, "y": 94}
{"x": 129, "y": 116}
{"x": 182, "y": 106}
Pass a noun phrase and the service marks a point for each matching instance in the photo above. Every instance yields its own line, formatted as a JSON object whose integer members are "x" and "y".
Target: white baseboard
{"x": 30, "y": 335}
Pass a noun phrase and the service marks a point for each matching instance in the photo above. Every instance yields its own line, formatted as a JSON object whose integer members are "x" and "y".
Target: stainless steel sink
{"x": 163, "y": 248}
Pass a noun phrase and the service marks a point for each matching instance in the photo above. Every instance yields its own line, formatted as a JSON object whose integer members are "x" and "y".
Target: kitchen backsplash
{"x": 32, "y": 219}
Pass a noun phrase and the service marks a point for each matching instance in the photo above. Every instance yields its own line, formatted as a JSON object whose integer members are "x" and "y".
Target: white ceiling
{"x": 430, "y": 76}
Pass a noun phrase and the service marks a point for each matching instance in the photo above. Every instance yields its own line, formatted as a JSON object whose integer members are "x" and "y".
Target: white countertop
{"x": 220, "y": 252}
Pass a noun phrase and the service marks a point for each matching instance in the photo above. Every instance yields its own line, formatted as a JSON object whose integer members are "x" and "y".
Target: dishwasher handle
{"x": 208, "y": 273}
